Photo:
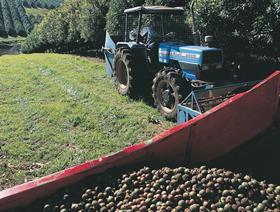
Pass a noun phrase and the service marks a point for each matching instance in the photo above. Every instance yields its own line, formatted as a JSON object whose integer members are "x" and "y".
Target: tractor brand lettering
{"x": 179, "y": 54}
{"x": 190, "y": 56}
{"x": 163, "y": 52}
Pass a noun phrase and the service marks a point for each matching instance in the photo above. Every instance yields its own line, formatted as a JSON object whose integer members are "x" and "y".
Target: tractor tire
{"x": 124, "y": 73}
{"x": 169, "y": 89}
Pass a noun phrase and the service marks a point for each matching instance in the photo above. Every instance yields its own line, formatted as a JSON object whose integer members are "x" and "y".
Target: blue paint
{"x": 190, "y": 58}
{"x": 189, "y": 75}
{"x": 185, "y": 114}
{"x": 182, "y": 53}
{"x": 110, "y": 47}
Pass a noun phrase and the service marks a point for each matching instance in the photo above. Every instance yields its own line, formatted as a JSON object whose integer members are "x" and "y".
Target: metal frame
{"x": 185, "y": 113}
{"x": 149, "y": 10}
{"x": 139, "y": 26}
{"x": 192, "y": 98}
{"x": 155, "y": 10}
{"x": 125, "y": 28}
{"x": 190, "y": 107}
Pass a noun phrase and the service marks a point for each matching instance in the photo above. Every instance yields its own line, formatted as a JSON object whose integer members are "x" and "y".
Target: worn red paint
{"x": 239, "y": 120}
{"x": 204, "y": 138}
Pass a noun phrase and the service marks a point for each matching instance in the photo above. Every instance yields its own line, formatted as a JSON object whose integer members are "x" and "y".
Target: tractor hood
{"x": 188, "y": 54}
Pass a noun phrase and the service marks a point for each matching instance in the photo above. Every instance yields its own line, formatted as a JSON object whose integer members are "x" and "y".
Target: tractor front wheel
{"x": 169, "y": 89}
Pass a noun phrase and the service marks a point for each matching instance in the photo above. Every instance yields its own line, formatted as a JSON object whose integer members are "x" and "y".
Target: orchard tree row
{"x": 13, "y": 19}
{"x": 75, "y": 24}
{"x": 247, "y": 26}
{"x": 81, "y": 23}
{"x": 239, "y": 26}
{"x": 48, "y": 4}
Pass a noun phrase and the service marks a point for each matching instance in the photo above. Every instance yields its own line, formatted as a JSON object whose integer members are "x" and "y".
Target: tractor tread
{"x": 180, "y": 88}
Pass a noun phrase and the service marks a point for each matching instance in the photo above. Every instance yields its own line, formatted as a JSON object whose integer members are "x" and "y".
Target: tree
{"x": 3, "y": 32}
{"x": 8, "y": 22}
{"x": 115, "y": 18}
{"x": 26, "y": 22}
{"x": 18, "y": 26}
{"x": 74, "y": 25}
{"x": 92, "y": 21}
{"x": 247, "y": 23}
{"x": 13, "y": 19}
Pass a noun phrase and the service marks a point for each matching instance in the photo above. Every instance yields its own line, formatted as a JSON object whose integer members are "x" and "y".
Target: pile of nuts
{"x": 166, "y": 189}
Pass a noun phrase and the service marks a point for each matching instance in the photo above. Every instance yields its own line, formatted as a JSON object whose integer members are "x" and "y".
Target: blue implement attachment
{"x": 109, "y": 52}
{"x": 185, "y": 113}
{"x": 200, "y": 101}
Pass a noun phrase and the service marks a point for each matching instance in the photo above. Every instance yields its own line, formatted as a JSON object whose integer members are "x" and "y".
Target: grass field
{"x": 36, "y": 11}
{"x": 59, "y": 110}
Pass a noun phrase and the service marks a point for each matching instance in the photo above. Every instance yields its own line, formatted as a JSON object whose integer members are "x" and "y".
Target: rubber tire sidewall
{"x": 168, "y": 75}
{"x": 122, "y": 55}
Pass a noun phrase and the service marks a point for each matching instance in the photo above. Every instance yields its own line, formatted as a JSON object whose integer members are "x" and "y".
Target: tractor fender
{"x": 122, "y": 45}
{"x": 130, "y": 45}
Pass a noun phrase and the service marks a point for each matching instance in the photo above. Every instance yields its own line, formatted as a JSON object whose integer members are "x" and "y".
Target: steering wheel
{"x": 170, "y": 36}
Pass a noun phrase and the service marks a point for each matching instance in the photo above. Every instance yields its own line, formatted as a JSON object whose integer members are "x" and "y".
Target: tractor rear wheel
{"x": 169, "y": 89}
{"x": 124, "y": 72}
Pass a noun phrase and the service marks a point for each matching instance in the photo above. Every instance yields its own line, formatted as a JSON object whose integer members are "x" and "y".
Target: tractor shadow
{"x": 259, "y": 157}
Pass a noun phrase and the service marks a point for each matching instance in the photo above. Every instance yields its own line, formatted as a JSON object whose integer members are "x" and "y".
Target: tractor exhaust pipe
{"x": 196, "y": 36}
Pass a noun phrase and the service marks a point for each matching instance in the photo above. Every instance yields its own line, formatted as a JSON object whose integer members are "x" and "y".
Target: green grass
{"x": 59, "y": 110}
{"x": 36, "y": 11}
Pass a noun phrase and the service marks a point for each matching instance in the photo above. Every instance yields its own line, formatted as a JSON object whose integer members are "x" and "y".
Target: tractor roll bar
{"x": 196, "y": 36}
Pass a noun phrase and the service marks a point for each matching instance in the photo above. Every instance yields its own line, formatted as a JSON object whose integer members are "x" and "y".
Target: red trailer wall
{"x": 236, "y": 121}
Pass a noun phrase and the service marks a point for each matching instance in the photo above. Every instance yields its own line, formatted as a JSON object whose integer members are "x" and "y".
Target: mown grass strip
{"x": 36, "y": 11}
{"x": 59, "y": 110}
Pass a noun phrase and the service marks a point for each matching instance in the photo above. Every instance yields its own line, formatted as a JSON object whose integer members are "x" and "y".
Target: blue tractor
{"x": 156, "y": 54}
